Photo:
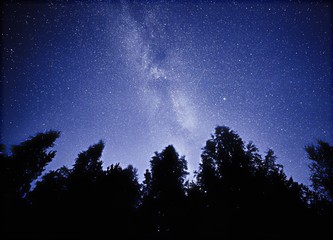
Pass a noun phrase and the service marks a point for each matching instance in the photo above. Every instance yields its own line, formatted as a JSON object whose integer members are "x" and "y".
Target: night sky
{"x": 141, "y": 75}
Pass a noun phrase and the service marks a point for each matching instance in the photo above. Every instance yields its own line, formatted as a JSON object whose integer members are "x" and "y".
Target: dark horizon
{"x": 236, "y": 193}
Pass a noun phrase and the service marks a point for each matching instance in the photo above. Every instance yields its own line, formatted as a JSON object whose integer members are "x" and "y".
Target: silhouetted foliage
{"x": 168, "y": 172}
{"x": 52, "y": 187}
{"x": 88, "y": 162}
{"x": 236, "y": 192}
{"x": 164, "y": 193}
{"x": 321, "y": 168}
{"x": 26, "y": 162}
{"x": 241, "y": 189}
{"x": 18, "y": 170}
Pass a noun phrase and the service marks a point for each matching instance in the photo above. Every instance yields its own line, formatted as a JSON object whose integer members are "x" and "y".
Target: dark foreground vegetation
{"x": 236, "y": 192}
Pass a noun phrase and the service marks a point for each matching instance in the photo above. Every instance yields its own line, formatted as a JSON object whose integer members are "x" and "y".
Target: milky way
{"x": 143, "y": 75}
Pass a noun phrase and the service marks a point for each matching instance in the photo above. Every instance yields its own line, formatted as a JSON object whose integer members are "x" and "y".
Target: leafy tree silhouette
{"x": 50, "y": 196}
{"x": 51, "y": 189}
{"x": 223, "y": 177}
{"x": 236, "y": 192}
{"x": 165, "y": 193}
{"x": 118, "y": 196}
{"x": 321, "y": 168}
{"x": 81, "y": 197}
{"x": 241, "y": 189}
{"x": 18, "y": 170}
{"x": 26, "y": 162}
{"x": 88, "y": 162}
{"x": 270, "y": 167}
{"x": 253, "y": 156}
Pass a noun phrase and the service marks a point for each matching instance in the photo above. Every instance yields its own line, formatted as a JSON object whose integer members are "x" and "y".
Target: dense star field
{"x": 141, "y": 75}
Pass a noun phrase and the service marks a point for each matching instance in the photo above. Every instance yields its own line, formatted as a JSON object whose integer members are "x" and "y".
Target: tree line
{"x": 236, "y": 191}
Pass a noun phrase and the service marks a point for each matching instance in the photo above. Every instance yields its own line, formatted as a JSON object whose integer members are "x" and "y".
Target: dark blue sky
{"x": 144, "y": 75}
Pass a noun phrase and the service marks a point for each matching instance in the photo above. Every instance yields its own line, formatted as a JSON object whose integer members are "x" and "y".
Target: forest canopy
{"x": 235, "y": 191}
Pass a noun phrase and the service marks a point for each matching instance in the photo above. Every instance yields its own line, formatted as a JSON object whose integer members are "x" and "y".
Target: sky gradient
{"x": 141, "y": 75}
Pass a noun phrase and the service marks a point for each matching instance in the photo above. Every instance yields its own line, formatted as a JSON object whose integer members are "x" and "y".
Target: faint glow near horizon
{"x": 142, "y": 76}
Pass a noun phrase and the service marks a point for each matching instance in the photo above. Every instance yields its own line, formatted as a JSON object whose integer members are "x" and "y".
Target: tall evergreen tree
{"x": 26, "y": 162}
{"x": 89, "y": 162}
{"x": 168, "y": 172}
{"x": 18, "y": 170}
{"x": 166, "y": 193}
{"x": 321, "y": 168}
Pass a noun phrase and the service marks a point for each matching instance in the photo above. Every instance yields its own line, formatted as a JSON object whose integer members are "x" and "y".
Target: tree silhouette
{"x": 241, "y": 189}
{"x": 50, "y": 196}
{"x": 168, "y": 172}
{"x": 253, "y": 156}
{"x": 84, "y": 194}
{"x": 26, "y": 162}
{"x": 223, "y": 177}
{"x": 236, "y": 192}
{"x": 269, "y": 164}
{"x": 118, "y": 196}
{"x": 86, "y": 169}
{"x": 18, "y": 170}
{"x": 51, "y": 188}
{"x": 147, "y": 182}
{"x": 321, "y": 168}
{"x": 88, "y": 163}
{"x": 321, "y": 202}
{"x": 165, "y": 192}
{"x": 81, "y": 196}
